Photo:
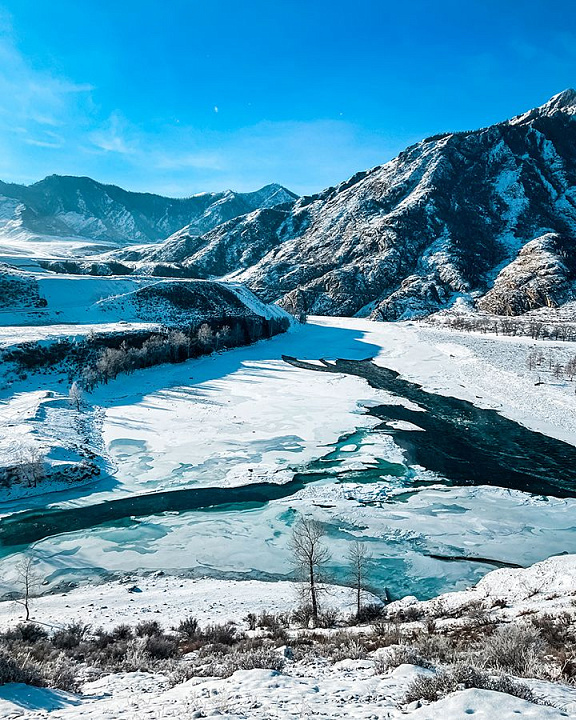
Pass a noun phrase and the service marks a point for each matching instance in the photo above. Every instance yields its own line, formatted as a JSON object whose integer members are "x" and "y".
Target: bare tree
{"x": 222, "y": 336}
{"x": 179, "y": 345}
{"x": 27, "y": 582}
{"x": 310, "y": 555}
{"x": 30, "y": 466}
{"x": 76, "y": 396}
{"x": 558, "y": 371}
{"x": 205, "y": 335}
{"x": 359, "y": 557}
{"x": 570, "y": 368}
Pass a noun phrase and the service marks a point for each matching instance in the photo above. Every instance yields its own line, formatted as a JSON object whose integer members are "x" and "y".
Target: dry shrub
{"x": 461, "y": 677}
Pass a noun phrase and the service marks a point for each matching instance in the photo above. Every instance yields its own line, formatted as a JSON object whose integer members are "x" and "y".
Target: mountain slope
{"x": 444, "y": 218}
{"x": 79, "y": 207}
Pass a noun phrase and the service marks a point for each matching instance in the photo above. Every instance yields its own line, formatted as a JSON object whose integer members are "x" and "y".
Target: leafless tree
{"x": 222, "y": 336}
{"x": 358, "y": 556}
{"x": 75, "y": 395}
{"x": 570, "y": 368}
{"x": 558, "y": 371}
{"x": 27, "y": 582}
{"x": 205, "y": 335}
{"x": 310, "y": 556}
{"x": 30, "y": 466}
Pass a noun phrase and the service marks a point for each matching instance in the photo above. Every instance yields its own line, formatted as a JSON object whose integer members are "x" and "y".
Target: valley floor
{"x": 246, "y": 417}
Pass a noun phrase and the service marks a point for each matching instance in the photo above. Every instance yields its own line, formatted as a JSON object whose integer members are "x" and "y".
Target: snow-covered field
{"x": 349, "y": 689}
{"x": 169, "y": 599}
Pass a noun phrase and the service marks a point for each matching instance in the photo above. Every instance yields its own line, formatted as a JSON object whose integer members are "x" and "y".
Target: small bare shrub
{"x": 17, "y": 670}
{"x": 302, "y": 615}
{"x": 161, "y": 647}
{"x": 388, "y": 633}
{"x": 220, "y": 634}
{"x": 399, "y": 655}
{"x": 148, "y": 628}
{"x": 28, "y": 632}
{"x": 70, "y": 636}
{"x": 189, "y": 628}
{"x": 327, "y": 618}
{"x": 370, "y": 613}
{"x": 434, "y": 687}
{"x": 511, "y": 649}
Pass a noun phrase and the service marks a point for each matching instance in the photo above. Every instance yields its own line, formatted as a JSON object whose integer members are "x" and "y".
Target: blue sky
{"x": 179, "y": 96}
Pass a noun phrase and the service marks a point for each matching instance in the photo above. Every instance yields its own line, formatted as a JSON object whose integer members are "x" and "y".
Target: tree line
{"x": 504, "y": 325}
{"x": 177, "y": 345}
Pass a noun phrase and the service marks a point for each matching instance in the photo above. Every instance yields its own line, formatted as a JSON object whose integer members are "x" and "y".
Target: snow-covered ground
{"x": 168, "y": 599}
{"x": 246, "y": 416}
{"x": 306, "y": 688}
{"x": 349, "y": 689}
{"x": 84, "y": 299}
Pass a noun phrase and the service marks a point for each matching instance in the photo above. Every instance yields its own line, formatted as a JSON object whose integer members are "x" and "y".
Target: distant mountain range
{"x": 79, "y": 207}
{"x": 486, "y": 217}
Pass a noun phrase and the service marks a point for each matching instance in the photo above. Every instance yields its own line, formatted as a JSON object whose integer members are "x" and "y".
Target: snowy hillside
{"x": 44, "y": 299}
{"x": 67, "y": 215}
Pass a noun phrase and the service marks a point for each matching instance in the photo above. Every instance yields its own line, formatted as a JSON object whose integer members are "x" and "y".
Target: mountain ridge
{"x": 447, "y": 219}
{"x": 64, "y": 206}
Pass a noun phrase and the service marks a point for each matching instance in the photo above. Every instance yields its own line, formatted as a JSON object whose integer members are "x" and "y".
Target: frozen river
{"x": 213, "y": 461}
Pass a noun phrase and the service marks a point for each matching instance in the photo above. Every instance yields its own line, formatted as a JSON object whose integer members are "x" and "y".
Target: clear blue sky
{"x": 180, "y": 96}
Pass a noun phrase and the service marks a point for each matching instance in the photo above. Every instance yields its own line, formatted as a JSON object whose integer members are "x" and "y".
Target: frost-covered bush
{"x": 18, "y": 670}
{"x": 397, "y": 655}
{"x": 257, "y": 659}
{"x": 512, "y": 649}
{"x": 220, "y": 634}
{"x": 461, "y": 677}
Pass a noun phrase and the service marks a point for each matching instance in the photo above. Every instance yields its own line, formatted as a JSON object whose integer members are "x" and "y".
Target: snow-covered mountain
{"x": 81, "y": 208}
{"x": 490, "y": 214}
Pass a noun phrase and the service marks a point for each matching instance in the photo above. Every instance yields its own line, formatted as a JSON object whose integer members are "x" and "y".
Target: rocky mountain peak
{"x": 564, "y": 102}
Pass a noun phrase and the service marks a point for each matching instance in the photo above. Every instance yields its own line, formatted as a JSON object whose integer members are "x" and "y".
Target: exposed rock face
{"x": 543, "y": 275}
{"x": 231, "y": 246}
{"x": 446, "y": 218}
{"x": 61, "y": 206}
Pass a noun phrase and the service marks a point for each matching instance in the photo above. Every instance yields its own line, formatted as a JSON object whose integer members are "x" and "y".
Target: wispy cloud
{"x": 305, "y": 156}
{"x": 50, "y": 123}
{"x": 37, "y": 96}
{"x": 115, "y": 136}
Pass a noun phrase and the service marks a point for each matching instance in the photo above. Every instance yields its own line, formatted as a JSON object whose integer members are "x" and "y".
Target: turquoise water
{"x": 415, "y": 515}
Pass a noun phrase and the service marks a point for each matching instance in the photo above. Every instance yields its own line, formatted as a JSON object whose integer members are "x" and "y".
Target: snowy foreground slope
{"x": 369, "y": 686}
